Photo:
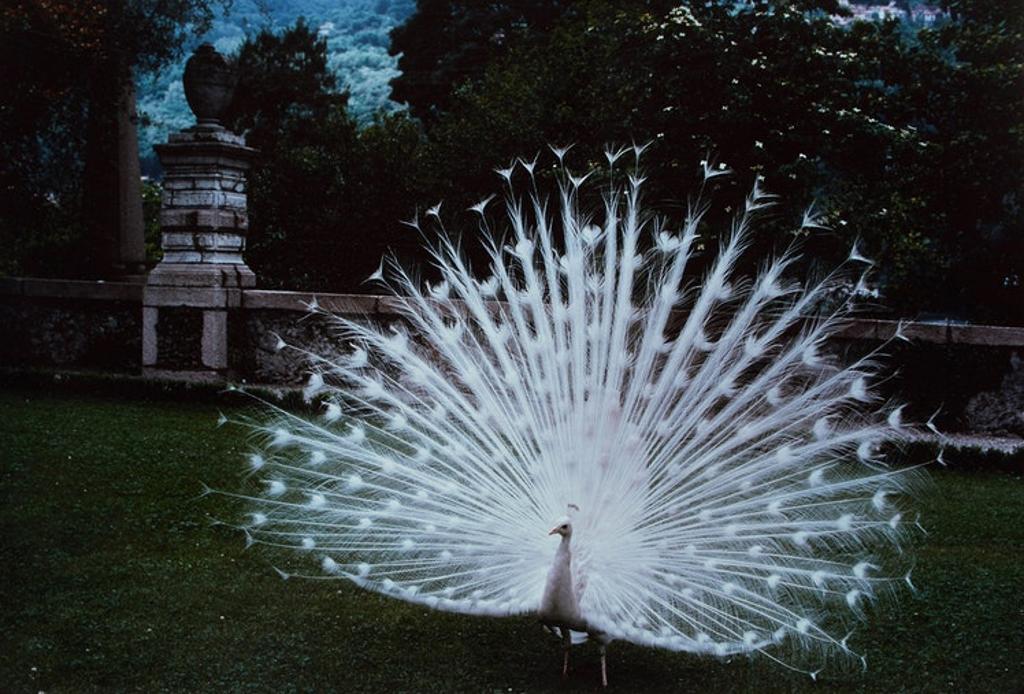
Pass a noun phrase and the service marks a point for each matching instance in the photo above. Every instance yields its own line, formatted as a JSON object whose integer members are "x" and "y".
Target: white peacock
{"x": 722, "y": 475}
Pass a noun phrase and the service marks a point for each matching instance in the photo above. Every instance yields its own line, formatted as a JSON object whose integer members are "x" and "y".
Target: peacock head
{"x": 564, "y": 525}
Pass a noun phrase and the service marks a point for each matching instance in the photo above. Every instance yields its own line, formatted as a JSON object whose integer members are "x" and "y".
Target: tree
{"x": 73, "y": 111}
{"x": 876, "y": 123}
{"x": 282, "y": 78}
{"x": 325, "y": 197}
{"x": 447, "y": 42}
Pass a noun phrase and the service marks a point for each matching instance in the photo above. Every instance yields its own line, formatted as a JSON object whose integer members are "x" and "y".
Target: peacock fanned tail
{"x": 728, "y": 472}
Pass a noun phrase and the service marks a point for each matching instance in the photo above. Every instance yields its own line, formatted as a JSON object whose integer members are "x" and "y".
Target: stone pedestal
{"x": 189, "y": 294}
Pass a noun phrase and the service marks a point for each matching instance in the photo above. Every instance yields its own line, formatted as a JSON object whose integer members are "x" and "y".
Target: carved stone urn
{"x": 209, "y": 84}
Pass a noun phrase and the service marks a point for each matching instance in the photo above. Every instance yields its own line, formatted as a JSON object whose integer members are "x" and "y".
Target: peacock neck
{"x": 563, "y": 553}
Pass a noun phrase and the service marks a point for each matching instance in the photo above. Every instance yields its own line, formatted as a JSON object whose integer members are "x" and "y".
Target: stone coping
{"x": 72, "y": 289}
{"x": 370, "y": 304}
{"x": 285, "y": 300}
{"x": 941, "y": 333}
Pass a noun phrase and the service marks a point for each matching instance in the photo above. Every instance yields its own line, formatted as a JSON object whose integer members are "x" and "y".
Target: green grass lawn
{"x": 113, "y": 579}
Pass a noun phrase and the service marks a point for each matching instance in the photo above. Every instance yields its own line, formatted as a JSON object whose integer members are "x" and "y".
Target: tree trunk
{"x": 112, "y": 195}
{"x": 131, "y": 230}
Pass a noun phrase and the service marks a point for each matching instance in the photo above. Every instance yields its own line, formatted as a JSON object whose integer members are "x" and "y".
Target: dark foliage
{"x": 448, "y": 42}
{"x": 325, "y": 196}
{"x": 880, "y": 124}
{"x": 70, "y": 60}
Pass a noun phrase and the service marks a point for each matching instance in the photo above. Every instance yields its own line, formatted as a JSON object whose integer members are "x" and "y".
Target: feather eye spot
{"x": 878, "y": 499}
{"x": 281, "y": 438}
{"x": 332, "y": 412}
{"x": 861, "y": 568}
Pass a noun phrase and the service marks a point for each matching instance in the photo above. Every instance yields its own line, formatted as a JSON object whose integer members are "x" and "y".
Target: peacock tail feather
{"x": 728, "y": 472}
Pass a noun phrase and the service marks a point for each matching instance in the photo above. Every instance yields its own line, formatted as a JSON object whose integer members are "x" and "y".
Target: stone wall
{"x": 965, "y": 372}
{"x": 69, "y": 324}
{"x": 267, "y": 316}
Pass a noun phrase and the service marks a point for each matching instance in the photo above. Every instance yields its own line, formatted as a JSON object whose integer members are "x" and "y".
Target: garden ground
{"x": 112, "y": 578}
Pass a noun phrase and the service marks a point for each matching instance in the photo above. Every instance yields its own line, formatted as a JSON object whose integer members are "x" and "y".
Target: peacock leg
{"x": 604, "y": 668}
{"x": 566, "y": 645}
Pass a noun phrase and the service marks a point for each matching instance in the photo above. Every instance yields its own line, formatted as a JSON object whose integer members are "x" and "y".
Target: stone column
{"x": 131, "y": 228}
{"x": 190, "y": 294}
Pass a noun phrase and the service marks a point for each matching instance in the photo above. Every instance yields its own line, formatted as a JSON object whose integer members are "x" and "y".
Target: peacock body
{"x": 714, "y": 477}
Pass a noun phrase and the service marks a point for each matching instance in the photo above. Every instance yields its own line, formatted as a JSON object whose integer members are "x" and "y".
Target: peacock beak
{"x": 553, "y": 531}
